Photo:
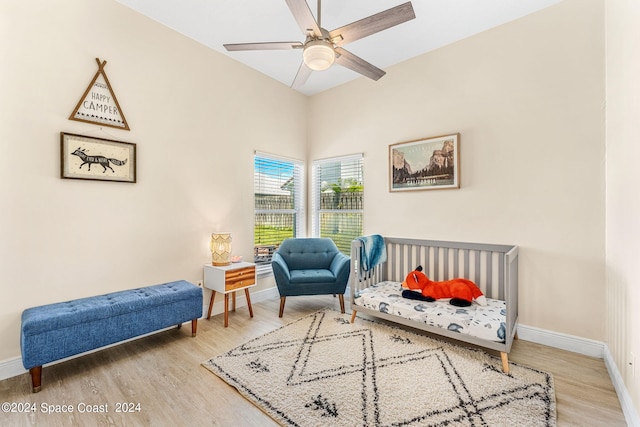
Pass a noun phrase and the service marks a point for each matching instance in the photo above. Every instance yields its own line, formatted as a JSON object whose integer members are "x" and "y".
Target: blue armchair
{"x": 310, "y": 266}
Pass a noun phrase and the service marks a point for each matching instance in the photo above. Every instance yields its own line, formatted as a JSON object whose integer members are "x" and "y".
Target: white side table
{"x": 228, "y": 279}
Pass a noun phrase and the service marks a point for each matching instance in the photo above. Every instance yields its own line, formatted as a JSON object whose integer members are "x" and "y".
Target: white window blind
{"x": 278, "y": 204}
{"x": 337, "y": 199}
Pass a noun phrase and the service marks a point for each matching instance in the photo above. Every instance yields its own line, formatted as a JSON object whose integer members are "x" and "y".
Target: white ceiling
{"x": 437, "y": 23}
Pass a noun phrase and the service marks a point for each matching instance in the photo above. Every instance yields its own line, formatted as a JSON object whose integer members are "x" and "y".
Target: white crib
{"x": 494, "y": 268}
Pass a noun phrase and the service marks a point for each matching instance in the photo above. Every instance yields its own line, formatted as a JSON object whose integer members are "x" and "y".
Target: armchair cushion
{"x": 308, "y": 253}
{"x": 312, "y": 275}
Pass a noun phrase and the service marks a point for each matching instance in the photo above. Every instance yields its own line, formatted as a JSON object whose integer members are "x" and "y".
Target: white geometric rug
{"x": 321, "y": 370}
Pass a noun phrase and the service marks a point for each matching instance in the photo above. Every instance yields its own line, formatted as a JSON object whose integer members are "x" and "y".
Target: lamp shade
{"x": 318, "y": 55}
{"x": 220, "y": 248}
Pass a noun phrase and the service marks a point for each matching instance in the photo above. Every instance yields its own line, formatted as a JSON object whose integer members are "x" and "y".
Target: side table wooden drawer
{"x": 239, "y": 278}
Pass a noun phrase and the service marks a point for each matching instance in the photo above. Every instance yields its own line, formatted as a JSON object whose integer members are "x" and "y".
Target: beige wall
{"x": 623, "y": 199}
{"x": 196, "y": 117}
{"x": 527, "y": 99}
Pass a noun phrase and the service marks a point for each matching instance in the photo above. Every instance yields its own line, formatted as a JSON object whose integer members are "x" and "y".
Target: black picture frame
{"x": 98, "y": 159}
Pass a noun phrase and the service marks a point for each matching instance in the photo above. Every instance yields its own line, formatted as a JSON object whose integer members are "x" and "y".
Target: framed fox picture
{"x": 84, "y": 157}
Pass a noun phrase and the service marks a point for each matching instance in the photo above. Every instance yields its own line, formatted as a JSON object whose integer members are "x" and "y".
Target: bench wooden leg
{"x": 36, "y": 378}
{"x": 505, "y": 362}
{"x": 353, "y": 316}
{"x": 194, "y": 327}
{"x": 341, "y": 298}
{"x": 282, "y": 300}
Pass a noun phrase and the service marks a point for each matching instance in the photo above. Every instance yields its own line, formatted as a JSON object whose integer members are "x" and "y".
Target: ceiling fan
{"x": 322, "y": 48}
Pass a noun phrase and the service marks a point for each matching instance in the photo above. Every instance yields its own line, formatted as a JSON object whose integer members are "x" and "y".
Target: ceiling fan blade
{"x": 264, "y": 46}
{"x": 357, "y": 64}
{"x": 303, "y": 16}
{"x": 301, "y": 76}
{"x": 372, "y": 24}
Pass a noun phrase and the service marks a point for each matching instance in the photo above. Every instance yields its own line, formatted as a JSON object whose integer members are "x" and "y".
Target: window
{"x": 278, "y": 205}
{"x": 337, "y": 200}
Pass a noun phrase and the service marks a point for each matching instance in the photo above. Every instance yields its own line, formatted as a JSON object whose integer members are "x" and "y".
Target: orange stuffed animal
{"x": 461, "y": 291}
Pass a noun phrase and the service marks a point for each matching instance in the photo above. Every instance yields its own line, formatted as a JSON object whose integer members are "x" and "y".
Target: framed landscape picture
{"x": 83, "y": 157}
{"x": 425, "y": 164}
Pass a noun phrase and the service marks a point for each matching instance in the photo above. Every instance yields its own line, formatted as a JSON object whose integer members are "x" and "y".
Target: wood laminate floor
{"x": 159, "y": 381}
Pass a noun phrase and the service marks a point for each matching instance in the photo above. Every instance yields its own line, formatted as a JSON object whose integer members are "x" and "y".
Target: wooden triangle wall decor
{"x": 99, "y": 104}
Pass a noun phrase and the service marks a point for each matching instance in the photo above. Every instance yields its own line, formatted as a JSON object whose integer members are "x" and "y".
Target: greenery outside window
{"x": 278, "y": 205}
{"x": 338, "y": 199}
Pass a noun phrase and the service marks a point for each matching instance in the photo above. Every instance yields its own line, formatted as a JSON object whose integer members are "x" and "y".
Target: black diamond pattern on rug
{"x": 322, "y": 370}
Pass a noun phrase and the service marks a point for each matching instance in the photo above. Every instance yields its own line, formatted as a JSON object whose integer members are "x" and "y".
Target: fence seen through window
{"x": 337, "y": 202}
{"x": 279, "y": 204}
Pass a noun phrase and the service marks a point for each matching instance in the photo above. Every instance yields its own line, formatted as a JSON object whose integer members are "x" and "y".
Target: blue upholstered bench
{"x": 55, "y": 331}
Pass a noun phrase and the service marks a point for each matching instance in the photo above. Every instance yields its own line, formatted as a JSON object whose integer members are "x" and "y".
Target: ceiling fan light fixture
{"x": 318, "y": 55}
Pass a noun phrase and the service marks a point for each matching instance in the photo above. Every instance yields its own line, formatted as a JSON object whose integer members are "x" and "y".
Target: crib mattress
{"x": 486, "y": 322}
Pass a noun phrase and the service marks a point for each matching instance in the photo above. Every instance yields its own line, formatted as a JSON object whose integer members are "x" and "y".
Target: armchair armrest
{"x": 341, "y": 267}
{"x": 280, "y": 270}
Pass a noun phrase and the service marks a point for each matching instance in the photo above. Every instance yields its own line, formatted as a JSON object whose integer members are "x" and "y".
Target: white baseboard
{"x": 588, "y": 348}
{"x": 11, "y": 368}
{"x": 562, "y": 341}
{"x": 629, "y": 411}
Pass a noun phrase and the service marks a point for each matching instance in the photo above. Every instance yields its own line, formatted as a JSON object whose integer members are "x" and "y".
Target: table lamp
{"x": 220, "y": 248}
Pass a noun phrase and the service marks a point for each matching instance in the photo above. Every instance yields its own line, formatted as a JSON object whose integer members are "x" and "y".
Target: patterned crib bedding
{"x": 486, "y": 322}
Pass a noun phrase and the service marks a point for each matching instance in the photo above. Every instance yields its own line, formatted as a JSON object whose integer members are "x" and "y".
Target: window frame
{"x": 299, "y": 194}
{"x": 316, "y": 189}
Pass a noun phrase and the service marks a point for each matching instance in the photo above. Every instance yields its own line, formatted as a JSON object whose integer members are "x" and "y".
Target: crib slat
{"x": 400, "y": 264}
{"x": 501, "y": 294}
{"x": 446, "y": 261}
{"x": 413, "y": 260}
{"x": 456, "y": 263}
{"x": 489, "y": 278}
{"x": 393, "y": 263}
{"x": 465, "y": 270}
